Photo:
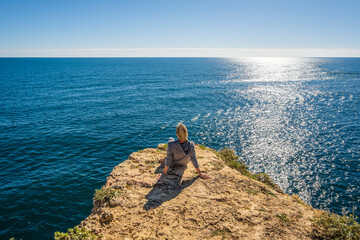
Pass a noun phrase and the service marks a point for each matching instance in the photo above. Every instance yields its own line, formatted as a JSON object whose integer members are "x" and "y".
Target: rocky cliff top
{"x": 134, "y": 205}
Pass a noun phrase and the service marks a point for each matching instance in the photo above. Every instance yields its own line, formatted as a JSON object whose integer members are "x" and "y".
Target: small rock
{"x": 114, "y": 203}
{"x": 146, "y": 184}
{"x": 106, "y": 217}
{"x": 162, "y": 146}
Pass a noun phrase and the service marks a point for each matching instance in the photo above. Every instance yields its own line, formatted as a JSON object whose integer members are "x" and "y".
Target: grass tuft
{"x": 105, "y": 194}
{"x": 202, "y": 147}
{"x": 265, "y": 178}
{"x": 268, "y": 192}
{"x": 283, "y": 217}
{"x": 261, "y": 210}
{"x": 252, "y": 191}
{"x": 76, "y": 233}
{"x": 333, "y": 226}
{"x": 232, "y": 160}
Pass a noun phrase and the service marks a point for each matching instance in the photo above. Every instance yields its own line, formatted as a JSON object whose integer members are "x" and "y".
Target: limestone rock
{"x": 182, "y": 206}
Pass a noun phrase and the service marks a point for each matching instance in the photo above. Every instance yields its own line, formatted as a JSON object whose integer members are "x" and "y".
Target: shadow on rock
{"x": 167, "y": 187}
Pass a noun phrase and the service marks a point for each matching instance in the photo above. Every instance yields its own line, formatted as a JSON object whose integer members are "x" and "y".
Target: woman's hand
{"x": 166, "y": 168}
{"x": 204, "y": 176}
{"x": 159, "y": 176}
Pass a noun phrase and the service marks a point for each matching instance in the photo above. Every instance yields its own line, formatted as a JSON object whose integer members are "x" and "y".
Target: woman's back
{"x": 179, "y": 154}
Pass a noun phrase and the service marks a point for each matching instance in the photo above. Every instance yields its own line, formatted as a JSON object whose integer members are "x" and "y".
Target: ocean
{"x": 66, "y": 122}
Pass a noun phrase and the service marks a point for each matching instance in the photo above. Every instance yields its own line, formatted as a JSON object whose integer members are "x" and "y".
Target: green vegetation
{"x": 76, "y": 234}
{"x": 263, "y": 177}
{"x": 163, "y": 146}
{"x": 283, "y": 217}
{"x": 252, "y": 191}
{"x": 232, "y": 160}
{"x": 105, "y": 194}
{"x": 333, "y": 226}
{"x": 261, "y": 210}
{"x": 202, "y": 147}
{"x": 266, "y": 191}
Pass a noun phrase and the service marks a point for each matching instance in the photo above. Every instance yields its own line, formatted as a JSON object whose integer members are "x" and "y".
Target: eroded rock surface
{"x": 184, "y": 206}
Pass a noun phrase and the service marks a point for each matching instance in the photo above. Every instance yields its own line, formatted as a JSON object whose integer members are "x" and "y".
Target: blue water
{"x": 65, "y": 123}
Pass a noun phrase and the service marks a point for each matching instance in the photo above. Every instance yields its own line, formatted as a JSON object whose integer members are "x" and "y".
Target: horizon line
{"x": 181, "y": 52}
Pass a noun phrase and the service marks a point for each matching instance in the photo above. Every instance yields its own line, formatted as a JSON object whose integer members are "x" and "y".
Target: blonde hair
{"x": 181, "y": 132}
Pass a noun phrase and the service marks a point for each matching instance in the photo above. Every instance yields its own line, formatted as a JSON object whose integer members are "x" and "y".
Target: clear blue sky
{"x": 74, "y": 24}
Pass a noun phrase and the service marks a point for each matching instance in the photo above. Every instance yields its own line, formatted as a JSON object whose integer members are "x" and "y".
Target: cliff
{"x": 134, "y": 205}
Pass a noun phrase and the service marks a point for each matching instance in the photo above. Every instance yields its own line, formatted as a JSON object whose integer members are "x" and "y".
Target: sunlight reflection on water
{"x": 276, "y": 128}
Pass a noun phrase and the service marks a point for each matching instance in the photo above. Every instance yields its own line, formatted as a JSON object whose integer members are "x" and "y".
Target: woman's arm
{"x": 166, "y": 168}
{"x": 196, "y": 164}
{"x": 168, "y": 161}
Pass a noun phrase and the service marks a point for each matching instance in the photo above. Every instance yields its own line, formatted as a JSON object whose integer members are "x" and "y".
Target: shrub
{"x": 227, "y": 155}
{"x": 75, "y": 234}
{"x": 105, "y": 194}
{"x": 202, "y": 147}
{"x": 232, "y": 160}
{"x": 333, "y": 226}
{"x": 263, "y": 177}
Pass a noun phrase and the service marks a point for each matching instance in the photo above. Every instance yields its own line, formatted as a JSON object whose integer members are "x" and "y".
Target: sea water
{"x": 66, "y": 122}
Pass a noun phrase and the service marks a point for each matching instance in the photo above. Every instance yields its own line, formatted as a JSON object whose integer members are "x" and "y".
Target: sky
{"x": 179, "y": 28}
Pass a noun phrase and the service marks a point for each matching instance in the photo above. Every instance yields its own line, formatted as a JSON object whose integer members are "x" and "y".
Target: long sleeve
{"x": 194, "y": 159}
{"x": 169, "y": 157}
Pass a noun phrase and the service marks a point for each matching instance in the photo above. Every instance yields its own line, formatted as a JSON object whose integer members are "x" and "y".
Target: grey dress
{"x": 180, "y": 154}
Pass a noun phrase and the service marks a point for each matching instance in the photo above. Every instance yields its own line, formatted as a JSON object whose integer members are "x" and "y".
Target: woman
{"x": 180, "y": 152}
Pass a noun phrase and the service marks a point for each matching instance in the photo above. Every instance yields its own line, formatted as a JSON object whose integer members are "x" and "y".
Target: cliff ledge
{"x": 134, "y": 205}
